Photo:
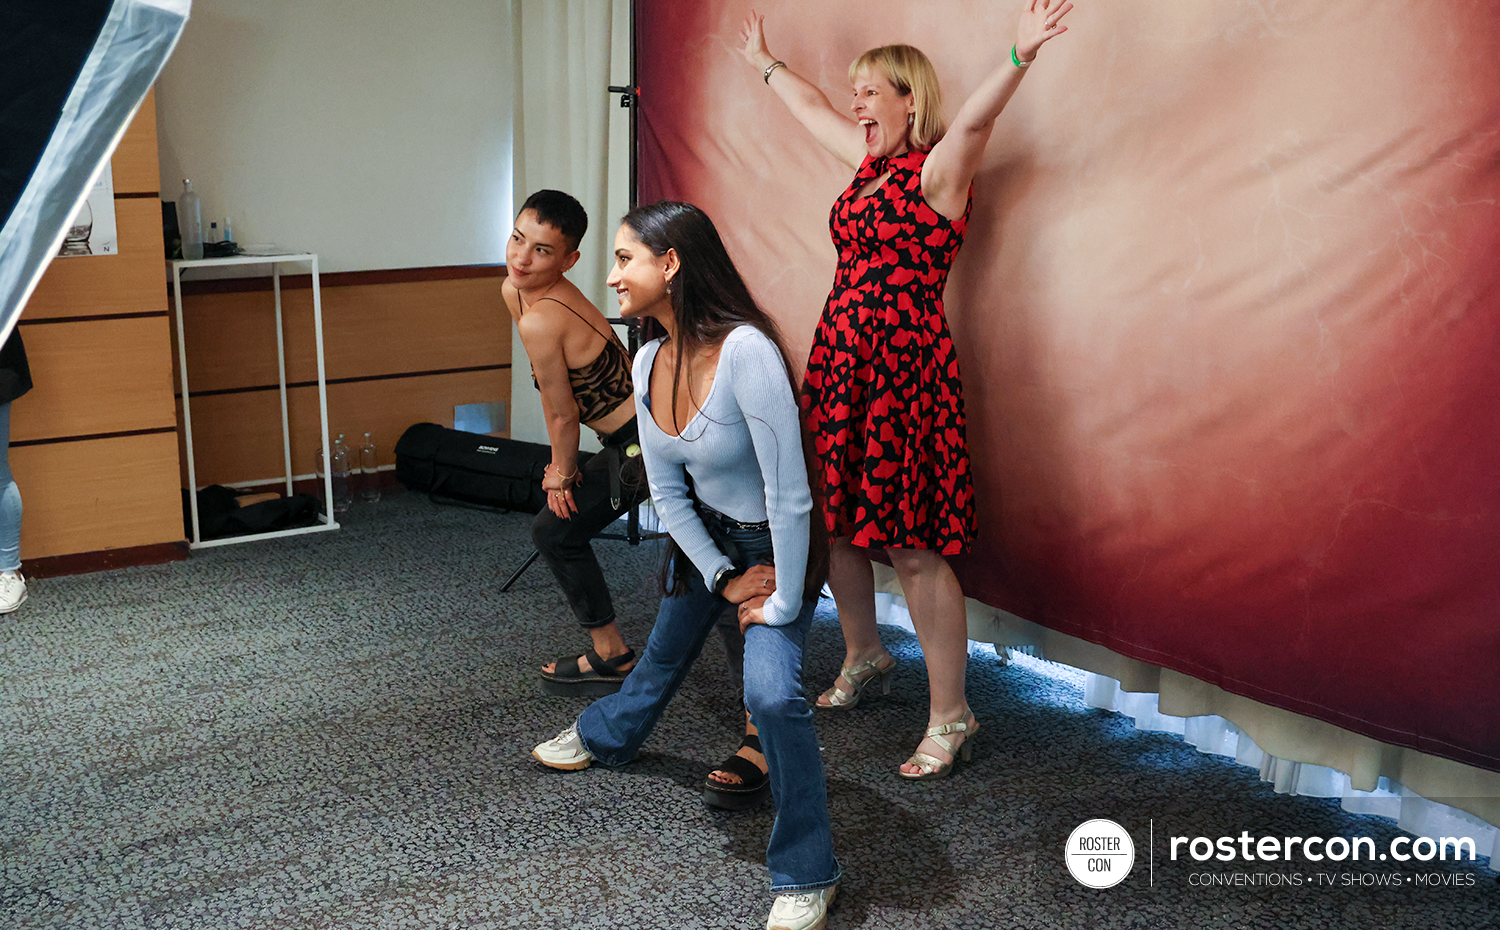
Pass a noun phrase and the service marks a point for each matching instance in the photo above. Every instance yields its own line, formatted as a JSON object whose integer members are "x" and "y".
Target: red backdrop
{"x": 1228, "y": 316}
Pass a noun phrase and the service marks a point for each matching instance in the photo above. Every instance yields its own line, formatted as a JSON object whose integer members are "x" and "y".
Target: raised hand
{"x": 1039, "y": 22}
{"x": 753, "y": 35}
{"x": 832, "y": 128}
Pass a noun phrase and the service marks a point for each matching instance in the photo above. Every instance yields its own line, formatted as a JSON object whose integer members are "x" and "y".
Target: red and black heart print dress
{"x": 882, "y": 397}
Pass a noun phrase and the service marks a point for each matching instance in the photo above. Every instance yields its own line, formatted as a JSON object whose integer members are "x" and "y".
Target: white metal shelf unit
{"x": 327, "y": 522}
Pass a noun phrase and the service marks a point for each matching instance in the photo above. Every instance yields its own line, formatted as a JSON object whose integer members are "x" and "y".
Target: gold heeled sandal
{"x": 859, "y": 677}
{"x": 930, "y": 767}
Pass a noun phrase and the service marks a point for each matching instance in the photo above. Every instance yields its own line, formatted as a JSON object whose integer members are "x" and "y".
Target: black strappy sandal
{"x": 753, "y": 787}
{"x": 603, "y": 677}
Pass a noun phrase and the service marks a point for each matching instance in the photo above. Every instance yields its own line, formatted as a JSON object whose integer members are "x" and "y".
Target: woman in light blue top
{"x": 724, "y": 459}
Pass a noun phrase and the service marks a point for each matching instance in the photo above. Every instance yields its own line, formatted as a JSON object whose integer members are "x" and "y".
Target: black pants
{"x": 566, "y": 545}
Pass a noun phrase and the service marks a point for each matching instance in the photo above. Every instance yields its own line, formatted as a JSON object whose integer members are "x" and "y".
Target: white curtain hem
{"x": 1297, "y": 754}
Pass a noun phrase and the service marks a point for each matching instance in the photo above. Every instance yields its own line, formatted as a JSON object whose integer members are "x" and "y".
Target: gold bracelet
{"x": 563, "y": 477}
{"x": 774, "y": 65}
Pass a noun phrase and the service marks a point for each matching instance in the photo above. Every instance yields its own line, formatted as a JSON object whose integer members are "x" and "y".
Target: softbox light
{"x": 71, "y": 77}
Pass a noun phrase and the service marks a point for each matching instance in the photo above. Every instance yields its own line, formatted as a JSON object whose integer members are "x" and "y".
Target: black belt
{"x": 716, "y": 524}
{"x": 763, "y": 526}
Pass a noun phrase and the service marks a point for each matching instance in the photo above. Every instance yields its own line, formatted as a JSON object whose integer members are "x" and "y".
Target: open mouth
{"x": 872, "y": 129}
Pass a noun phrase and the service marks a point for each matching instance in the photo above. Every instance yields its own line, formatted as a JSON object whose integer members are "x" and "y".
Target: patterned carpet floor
{"x": 333, "y": 731}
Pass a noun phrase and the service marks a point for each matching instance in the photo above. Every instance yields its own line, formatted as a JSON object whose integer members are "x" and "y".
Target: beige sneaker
{"x": 12, "y": 591}
{"x": 564, "y": 751}
{"x": 802, "y": 910}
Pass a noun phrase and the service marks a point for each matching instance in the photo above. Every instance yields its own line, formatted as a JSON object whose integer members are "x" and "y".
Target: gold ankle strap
{"x": 849, "y": 672}
{"x": 957, "y": 726}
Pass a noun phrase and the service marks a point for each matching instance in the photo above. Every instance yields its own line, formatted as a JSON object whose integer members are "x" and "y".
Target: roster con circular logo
{"x": 1100, "y": 853}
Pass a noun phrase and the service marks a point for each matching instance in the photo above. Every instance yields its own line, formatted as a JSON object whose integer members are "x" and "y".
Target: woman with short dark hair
{"x": 582, "y": 372}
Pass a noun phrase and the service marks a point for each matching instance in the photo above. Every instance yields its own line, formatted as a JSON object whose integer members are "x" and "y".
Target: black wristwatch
{"x": 725, "y": 575}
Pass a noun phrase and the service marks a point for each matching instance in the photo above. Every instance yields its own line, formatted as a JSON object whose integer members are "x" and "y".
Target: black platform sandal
{"x": 753, "y": 787}
{"x": 603, "y": 677}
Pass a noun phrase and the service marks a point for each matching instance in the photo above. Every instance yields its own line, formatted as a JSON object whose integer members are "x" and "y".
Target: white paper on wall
{"x": 92, "y": 230}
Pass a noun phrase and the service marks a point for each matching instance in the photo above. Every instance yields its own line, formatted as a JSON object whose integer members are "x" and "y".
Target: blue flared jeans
{"x": 800, "y": 852}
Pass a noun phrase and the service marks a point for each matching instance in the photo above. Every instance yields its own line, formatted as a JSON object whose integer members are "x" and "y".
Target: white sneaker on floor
{"x": 803, "y": 910}
{"x": 564, "y": 751}
{"x": 12, "y": 591}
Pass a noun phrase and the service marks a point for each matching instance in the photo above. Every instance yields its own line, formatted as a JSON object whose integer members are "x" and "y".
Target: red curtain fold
{"x": 1228, "y": 318}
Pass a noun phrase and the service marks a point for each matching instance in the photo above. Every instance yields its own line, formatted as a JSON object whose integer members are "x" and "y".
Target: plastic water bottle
{"x": 369, "y": 488}
{"x": 343, "y": 494}
{"x": 319, "y": 474}
{"x": 190, "y": 221}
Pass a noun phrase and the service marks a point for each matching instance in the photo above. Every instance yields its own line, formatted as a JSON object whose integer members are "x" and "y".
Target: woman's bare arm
{"x": 542, "y": 337}
{"x": 954, "y": 161}
{"x": 833, "y": 130}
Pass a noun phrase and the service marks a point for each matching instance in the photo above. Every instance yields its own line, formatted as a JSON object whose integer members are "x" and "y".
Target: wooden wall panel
{"x": 98, "y": 494}
{"x": 130, "y": 282}
{"x": 368, "y": 330}
{"x": 96, "y": 376}
{"x": 134, "y": 162}
{"x": 99, "y": 375}
{"x": 237, "y": 437}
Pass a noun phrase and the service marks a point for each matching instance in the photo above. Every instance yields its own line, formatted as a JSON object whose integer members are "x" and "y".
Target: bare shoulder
{"x": 543, "y": 319}
{"x": 512, "y": 298}
{"x": 568, "y": 294}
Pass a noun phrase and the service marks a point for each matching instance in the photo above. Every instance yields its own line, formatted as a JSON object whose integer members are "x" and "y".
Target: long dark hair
{"x": 709, "y": 300}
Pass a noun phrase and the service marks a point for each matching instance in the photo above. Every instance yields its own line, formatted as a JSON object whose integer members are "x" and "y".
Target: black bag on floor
{"x": 220, "y": 513}
{"x": 453, "y": 466}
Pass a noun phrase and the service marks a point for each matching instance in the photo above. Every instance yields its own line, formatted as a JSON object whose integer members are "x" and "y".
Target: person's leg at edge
{"x": 566, "y": 547}
{"x": 12, "y": 585}
{"x": 938, "y": 614}
{"x": 10, "y": 501}
{"x": 800, "y": 852}
{"x": 614, "y": 727}
{"x": 851, "y": 578}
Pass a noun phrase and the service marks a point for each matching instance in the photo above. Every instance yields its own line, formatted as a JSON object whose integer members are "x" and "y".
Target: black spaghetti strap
{"x": 604, "y": 383}
{"x": 609, "y": 338}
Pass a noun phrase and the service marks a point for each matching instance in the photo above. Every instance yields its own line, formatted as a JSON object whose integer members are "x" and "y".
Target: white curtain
{"x": 571, "y": 135}
{"x": 1427, "y": 795}
{"x": 1214, "y": 734}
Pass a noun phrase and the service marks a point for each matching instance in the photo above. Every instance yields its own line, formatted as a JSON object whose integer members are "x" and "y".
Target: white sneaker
{"x": 12, "y": 591}
{"x": 564, "y": 751}
{"x": 804, "y": 910}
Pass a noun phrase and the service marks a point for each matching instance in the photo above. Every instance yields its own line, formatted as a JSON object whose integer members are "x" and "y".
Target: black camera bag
{"x": 473, "y": 469}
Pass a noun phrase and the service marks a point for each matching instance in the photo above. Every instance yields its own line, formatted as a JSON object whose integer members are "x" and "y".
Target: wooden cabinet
{"x": 94, "y": 445}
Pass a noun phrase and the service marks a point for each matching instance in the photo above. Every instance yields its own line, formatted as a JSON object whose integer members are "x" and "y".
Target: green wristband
{"x": 1016, "y": 59}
